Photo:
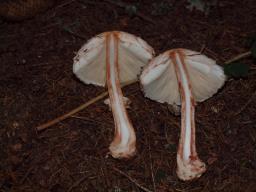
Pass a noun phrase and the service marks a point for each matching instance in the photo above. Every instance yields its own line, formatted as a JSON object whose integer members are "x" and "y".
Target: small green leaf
{"x": 253, "y": 49}
{"x": 131, "y": 10}
{"x": 201, "y": 5}
{"x": 236, "y": 70}
{"x": 170, "y": 147}
{"x": 197, "y": 4}
{"x": 160, "y": 175}
{"x": 250, "y": 41}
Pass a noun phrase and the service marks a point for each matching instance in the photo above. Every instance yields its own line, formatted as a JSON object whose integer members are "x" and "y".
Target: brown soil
{"x": 37, "y": 85}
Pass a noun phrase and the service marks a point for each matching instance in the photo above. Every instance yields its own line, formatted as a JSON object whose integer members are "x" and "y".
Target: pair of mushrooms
{"x": 178, "y": 77}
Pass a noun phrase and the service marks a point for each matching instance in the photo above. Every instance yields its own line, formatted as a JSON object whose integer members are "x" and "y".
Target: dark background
{"x": 37, "y": 85}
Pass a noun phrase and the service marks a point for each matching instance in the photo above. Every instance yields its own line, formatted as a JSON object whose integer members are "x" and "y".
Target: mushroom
{"x": 182, "y": 77}
{"x": 114, "y": 58}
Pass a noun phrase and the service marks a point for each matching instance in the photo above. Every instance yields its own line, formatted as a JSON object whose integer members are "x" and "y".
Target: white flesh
{"x": 90, "y": 62}
{"x": 160, "y": 83}
{"x": 186, "y": 102}
{"x": 182, "y": 77}
{"x": 126, "y": 101}
{"x": 125, "y": 139}
{"x": 189, "y": 166}
{"x": 112, "y": 58}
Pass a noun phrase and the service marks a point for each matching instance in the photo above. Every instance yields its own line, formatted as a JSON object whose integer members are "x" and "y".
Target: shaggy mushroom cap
{"x": 90, "y": 61}
{"x": 159, "y": 79}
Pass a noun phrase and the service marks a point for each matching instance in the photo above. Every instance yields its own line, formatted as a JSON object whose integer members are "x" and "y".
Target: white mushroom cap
{"x": 160, "y": 83}
{"x": 90, "y": 61}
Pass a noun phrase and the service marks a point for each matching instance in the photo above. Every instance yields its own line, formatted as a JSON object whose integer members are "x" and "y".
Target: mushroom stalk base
{"x": 124, "y": 142}
{"x": 189, "y": 166}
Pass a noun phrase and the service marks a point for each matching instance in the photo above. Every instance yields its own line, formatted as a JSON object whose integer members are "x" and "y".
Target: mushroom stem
{"x": 123, "y": 144}
{"x": 189, "y": 166}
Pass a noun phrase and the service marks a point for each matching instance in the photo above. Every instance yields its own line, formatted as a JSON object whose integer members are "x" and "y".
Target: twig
{"x": 238, "y": 57}
{"x": 75, "y": 34}
{"x": 65, "y": 3}
{"x": 84, "y": 2}
{"x": 81, "y": 107}
{"x": 41, "y": 64}
{"x": 138, "y": 13}
{"x": 27, "y": 174}
{"x": 76, "y": 183}
{"x": 132, "y": 180}
{"x": 151, "y": 168}
{"x": 245, "y": 105}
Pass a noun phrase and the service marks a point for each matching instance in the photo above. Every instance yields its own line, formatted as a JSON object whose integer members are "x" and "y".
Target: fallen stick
{"x": 76, "y": 183}
{"x": 79, "y": 108}
{"x": 132, "y": 180}
{"x": 238, "y": 57}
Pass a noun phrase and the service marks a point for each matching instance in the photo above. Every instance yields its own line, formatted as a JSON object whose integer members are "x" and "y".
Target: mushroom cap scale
{"x": 90, "y": 61}
{"x": 159, "y": 80}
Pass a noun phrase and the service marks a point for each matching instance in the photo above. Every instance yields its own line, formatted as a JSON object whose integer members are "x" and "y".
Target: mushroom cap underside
{"x": 90, "y": 61}
{"x": 159, "y": 80}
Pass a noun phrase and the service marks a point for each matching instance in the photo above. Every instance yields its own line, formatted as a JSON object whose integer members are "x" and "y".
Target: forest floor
{"x": 37, "y": 85}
